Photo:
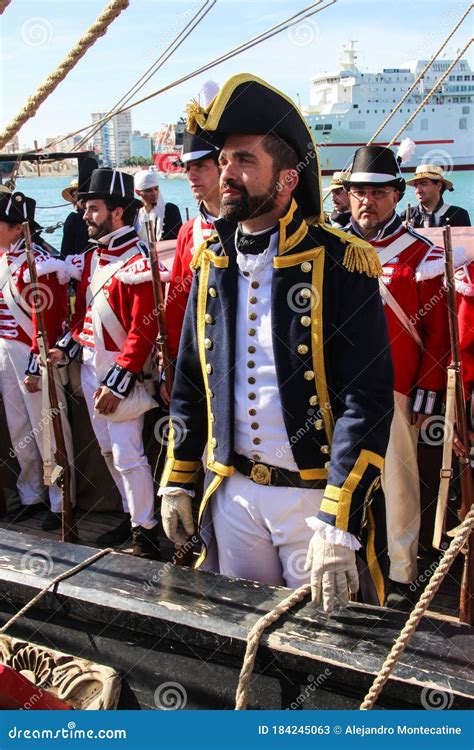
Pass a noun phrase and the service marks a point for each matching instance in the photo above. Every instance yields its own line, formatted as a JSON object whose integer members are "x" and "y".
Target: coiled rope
{"x": 98, "y": 28}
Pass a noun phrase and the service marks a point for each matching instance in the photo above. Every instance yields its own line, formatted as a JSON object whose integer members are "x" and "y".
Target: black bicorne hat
{"x": 111, "y": 183}
{"x": 15, "y": 208}
{"x": 86, "y": 167}
{"x": 250, "y": 106}
{"x": 375, "y": 165}
{"x": 195, "y": 148}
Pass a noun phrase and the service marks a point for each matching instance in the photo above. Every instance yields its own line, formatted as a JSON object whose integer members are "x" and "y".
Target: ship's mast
{"x": 348, "y": 59}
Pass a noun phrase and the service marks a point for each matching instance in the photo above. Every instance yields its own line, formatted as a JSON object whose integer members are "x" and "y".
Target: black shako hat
{"x": 15, "y": 208}
{"x": 248, "y": 105}
{"x": 375, "y": 165}
{"x": 110, "y": 183}
{"x": 195, "y": 148}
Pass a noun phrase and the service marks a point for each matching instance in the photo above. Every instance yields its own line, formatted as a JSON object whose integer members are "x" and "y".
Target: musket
{"x": 61, "y": 475}
{"x": 466, "y": 606}
{"x": 408, "y": 215}
{"x": 162, "y": 335}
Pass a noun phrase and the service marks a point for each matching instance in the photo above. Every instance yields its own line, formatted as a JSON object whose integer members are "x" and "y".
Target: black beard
{"x": 96, "y": 231}
{"x": 247, "y": 206}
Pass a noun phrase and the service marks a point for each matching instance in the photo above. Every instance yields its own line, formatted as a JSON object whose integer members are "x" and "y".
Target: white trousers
{"x": 260, "y": 531}
{"x": 121, "y": 444}
{"x": 401, "y": 486}
{"x": 26, "y": 423}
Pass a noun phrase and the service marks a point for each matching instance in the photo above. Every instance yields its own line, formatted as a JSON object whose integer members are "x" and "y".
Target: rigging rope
{"x": 413, "y": 621}
{"x": 430, "y": 93}
{"x": 268, "y": 34}
{"x": 428, "y": 65}
{"x": 98, "y": 28}
{"x": 151, "y": 71}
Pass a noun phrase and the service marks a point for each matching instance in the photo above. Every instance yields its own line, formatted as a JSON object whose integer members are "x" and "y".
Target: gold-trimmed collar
{"x": 293, "y": 229}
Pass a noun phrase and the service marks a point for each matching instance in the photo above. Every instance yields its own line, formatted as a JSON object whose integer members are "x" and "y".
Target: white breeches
{"x": 401, "y": 486}
{"x": 121, "y": 444}
{"x": 260, "y": 531}
{"x": 28, "y": 424}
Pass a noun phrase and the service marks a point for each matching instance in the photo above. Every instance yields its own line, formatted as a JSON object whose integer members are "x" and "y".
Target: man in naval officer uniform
{"x": 115, "y": 326}
{"x": 415, "y": 306}
{"x": 283, "y": 366}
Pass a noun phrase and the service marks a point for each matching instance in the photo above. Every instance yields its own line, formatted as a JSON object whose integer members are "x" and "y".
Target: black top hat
{"x": 195, "y": 148}
{"x": 110, "y": 183}
{"x": 248, "y": 105}
{"x": 86, "y": 167}
{"x": 15, "y": 208}
{"x": 375, "y": 165}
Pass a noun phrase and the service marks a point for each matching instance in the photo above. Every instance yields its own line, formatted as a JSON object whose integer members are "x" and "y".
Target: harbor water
{"x": 47, "y": 193}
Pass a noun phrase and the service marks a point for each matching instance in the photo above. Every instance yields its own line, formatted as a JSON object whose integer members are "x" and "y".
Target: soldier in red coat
{"x": 115, "y": 327}
{"x": 24, "y": 393}
{"x": 419, "y": 341}
{"x": 200, "y": 160}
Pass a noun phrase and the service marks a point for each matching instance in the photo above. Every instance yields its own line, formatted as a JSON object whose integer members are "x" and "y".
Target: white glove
{"x": 176, "y": 506}
{"x": 333, "y": 572}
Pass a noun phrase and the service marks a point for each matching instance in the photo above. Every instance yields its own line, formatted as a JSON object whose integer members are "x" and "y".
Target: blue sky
{"x": 37, "y": 35}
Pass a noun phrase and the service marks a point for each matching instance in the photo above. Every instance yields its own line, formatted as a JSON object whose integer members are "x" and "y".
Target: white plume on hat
{"x": 145, "y": 179}
{"x": 406, "y": 150}
{"x": 209, "y": 90}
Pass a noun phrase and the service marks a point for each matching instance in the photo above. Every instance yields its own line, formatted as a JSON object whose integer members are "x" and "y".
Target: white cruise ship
{"x": 347, "y": 107}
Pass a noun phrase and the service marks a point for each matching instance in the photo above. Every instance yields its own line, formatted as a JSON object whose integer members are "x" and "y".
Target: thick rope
{"x": 428, "y": 65}
{"x": 98, "y": 28}
{"x": 3, "y": 5}
{"x": 263, "y": 37}
{"x": 430, "y": 94}
{"x": 253, "y": 640}
{"x": 56, "y": 580}
{"x": 412, "y": 623}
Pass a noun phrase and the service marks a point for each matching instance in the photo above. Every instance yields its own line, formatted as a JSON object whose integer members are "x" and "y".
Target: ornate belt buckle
{"x": 261, "y": 474}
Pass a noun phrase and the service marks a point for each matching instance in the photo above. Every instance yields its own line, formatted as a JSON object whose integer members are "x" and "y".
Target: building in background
{"x": 141, "y": 145}
{"x": 12, "y": 147}
{"x": 112, "y": 140}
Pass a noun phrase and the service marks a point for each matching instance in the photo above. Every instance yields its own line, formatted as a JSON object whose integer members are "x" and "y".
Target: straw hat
{"x": 66, "y": 194}
{"x": 430, "y": 172}
{"x": 337, "y": 180}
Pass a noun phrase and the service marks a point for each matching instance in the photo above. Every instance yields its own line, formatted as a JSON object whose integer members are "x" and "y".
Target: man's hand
{"x": 175, "y": 508}
{"x": 164, "y": 395}
{"x": 333, "y": 573}
{"x": 56, "y": 357}
{"x": 458, "y": 446}
{"x": 105, "y": 401}
{"x": 32, "y": 383}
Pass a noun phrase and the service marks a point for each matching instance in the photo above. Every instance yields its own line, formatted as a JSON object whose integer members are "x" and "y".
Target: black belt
{"x": 273, "y": 476}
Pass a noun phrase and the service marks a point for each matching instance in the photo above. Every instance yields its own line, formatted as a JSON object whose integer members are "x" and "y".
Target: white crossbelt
{"x": 13, "y": 299}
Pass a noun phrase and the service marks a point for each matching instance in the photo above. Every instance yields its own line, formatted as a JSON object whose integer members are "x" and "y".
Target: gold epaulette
{"x": 359, "y": 255}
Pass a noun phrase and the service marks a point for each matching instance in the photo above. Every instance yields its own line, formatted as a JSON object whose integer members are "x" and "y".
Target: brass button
{"x": 252, "y": 412}
{"x": 209, "y": 369}
{"x": 210, "y": 393}
{"x": 256, "y": 457}
{"x": 324, "y": 449}
{"x": 246, "y": 273}
{"x": 212, "y": 292}
{"x": 252, "y": 331}
{"x": 251, "y": 364}
{"x": 212, "y": 417}
{"x": 253, "y": 300}
{"x": 253, "y": 316}
{"x": 319, "y": 424}
{"x": 255, "y": 425}
{"x": 302, "y": 349}
{"x": 251, "y": 350}
{"x": 252, "y": 396}
{"x": 305, "y": 293}
{"x": 214, "y": 443}
{"x": 208, "y": 318}
{"x": 313, "y": 400}
{"x": 251, "y": 380}
{"x": 305, "y": 321}
{"x": 207, "y": 344}
{"x": 305, "y": 266}
{"x": 327, "y": 465}
{"x": 256, "y": 441}
{"x": 254, "y": 284}
{"x": 309, "y": 375}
